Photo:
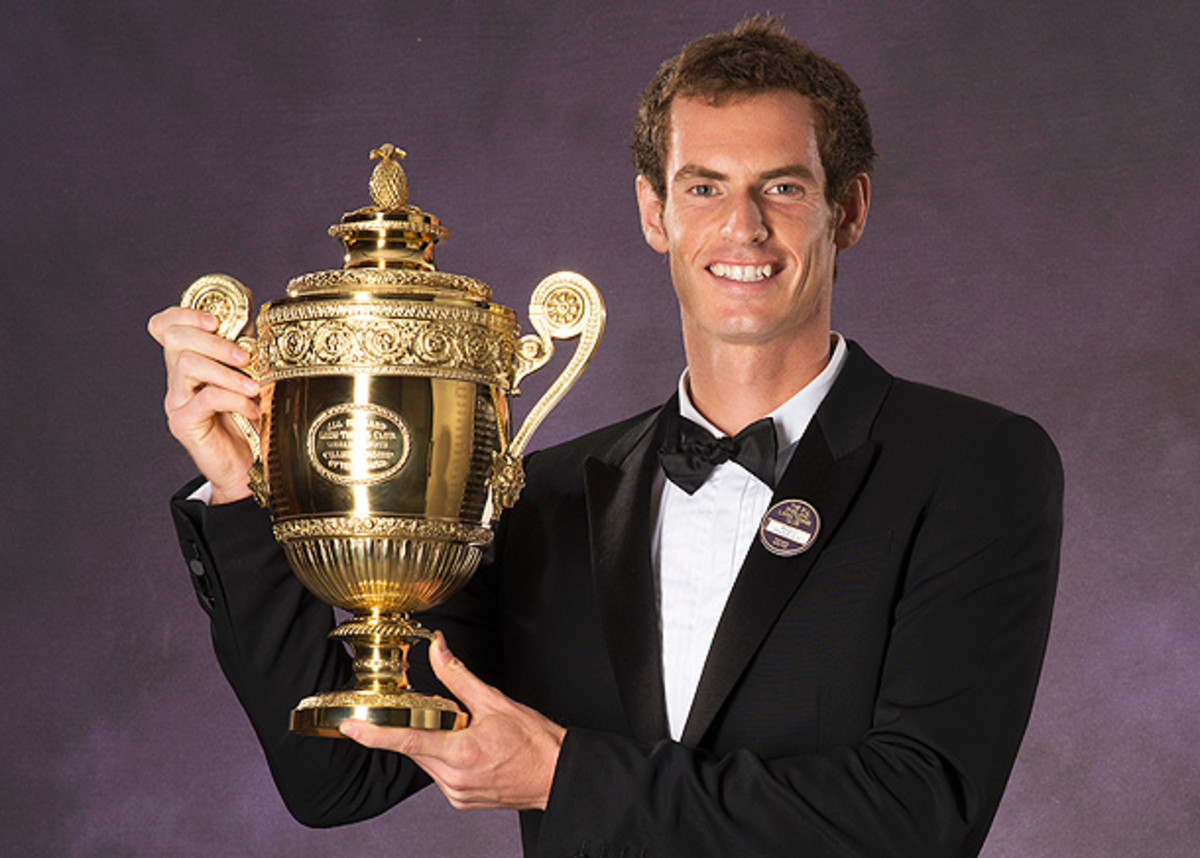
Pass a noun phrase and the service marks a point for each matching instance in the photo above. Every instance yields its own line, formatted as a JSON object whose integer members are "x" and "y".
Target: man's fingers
{"x": 194, "y": 372}
{"x": 204, "y": 387}
{"x": 179, "y": 340}
{"x": 505, "y": 758}
{"x": 197, "y": 358}
{"x": 472, "y": 691}
{"x": 409, "y": 741}
{"x": 198, "y": 412}
{"x": 437, "y": 752}
{"x": 161, "y": 322}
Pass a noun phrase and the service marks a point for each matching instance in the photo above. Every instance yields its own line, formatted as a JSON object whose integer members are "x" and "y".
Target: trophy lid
{"x": 389, "y": 244}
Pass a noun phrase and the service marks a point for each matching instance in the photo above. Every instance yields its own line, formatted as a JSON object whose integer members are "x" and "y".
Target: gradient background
{"x": 1033, "y": 241}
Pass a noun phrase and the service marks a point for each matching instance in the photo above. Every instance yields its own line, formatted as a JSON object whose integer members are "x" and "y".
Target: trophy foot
{"x": 381, "y": 694}
{"x": 322, "y": 714}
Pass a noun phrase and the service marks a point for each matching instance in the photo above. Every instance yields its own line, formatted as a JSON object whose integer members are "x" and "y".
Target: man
{"x": 829, "y": 648}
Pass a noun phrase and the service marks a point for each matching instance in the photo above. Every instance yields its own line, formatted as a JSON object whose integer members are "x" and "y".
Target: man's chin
{"x": 753, "y": 330}
{"x": 743, "y": 333}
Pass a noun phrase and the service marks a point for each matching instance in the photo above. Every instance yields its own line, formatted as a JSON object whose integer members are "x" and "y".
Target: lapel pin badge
{"x": 789, "y": 527}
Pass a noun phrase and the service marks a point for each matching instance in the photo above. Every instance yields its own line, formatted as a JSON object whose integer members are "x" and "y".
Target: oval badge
{"x": 358, "y": 444}
{"x": 790, "y": 527}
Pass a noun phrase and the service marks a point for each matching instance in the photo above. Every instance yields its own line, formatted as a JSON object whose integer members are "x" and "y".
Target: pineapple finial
{"x": 389, "y": 185}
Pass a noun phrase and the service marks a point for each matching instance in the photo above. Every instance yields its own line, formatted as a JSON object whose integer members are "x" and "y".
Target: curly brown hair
{"x": 755, "y": 56}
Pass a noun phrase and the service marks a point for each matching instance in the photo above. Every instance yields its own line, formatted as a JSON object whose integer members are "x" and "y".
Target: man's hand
{"x": 204, "y": 385}
{"x": 504, "y": 758}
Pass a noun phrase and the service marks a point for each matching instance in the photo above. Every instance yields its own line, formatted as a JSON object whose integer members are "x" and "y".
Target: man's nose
{"x": 745, "y": 222}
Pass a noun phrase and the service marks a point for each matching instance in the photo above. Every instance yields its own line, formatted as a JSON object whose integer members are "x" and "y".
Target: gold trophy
{"x": 384, "y": 452}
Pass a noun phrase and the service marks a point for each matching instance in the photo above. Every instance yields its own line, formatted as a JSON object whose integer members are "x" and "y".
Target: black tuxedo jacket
{"x": 865, "y": 697}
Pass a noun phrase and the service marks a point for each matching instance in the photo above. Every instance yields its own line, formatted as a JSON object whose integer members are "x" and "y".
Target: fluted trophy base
{"x": 381, "y": 694}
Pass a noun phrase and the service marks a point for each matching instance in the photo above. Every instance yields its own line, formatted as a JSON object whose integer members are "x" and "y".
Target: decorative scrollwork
{"x": 334, "y": 341}
{"x": 477, "y": 349}
{"x": 380, "y": 699}
{"x": 432, "y": 346}
{"x": 293, "y": 346}
{"x": 403, "y": 338}
{"x": 224, "y": 297}
{"x": 382, "y": 527}
{"x": 563, "y": 305}
{"x": 345, "y": 280}
{"x": 383, "y": 341}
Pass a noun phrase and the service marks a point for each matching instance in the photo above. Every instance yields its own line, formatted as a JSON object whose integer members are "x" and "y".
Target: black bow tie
{"x": 691, "y": 452}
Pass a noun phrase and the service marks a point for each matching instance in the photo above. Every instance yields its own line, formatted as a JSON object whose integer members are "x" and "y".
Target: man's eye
{"x": 786, "y": 189}
{"x": 702, "y": 190}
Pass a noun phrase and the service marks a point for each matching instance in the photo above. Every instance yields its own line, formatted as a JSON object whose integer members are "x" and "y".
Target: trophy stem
{"x": 381, "y": 693}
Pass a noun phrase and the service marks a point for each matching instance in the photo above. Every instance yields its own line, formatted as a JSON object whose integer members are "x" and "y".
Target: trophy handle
{"x": 563, "y": 305}
{"x": 229, "y": 300}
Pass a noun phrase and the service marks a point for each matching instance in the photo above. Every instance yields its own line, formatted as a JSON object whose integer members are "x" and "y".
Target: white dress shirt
{"x": 700, "y": 540}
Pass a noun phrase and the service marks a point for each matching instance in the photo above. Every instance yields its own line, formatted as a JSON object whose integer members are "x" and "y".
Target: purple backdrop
{"x": 1033, "y": 241}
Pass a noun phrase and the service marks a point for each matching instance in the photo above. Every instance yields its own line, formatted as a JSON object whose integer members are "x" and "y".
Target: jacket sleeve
{"x": 968, "y": 633}
{"x": 269, "y": 634}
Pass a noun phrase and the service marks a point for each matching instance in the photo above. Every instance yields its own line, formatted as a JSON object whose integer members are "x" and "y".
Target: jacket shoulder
{"x": 935, "y": 411}
{"x": 944, "y": 432}
{"x": 915, "y": 419}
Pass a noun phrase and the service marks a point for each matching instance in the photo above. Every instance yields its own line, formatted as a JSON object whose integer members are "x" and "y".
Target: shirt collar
{"x": 792, "y": 417}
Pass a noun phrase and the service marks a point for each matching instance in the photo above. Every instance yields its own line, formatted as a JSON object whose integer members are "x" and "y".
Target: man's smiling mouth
{"x": 741, "y": 273}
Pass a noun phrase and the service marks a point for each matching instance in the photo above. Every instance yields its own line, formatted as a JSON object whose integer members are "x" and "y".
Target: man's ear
{"x": 853, "y": 212}
{"x": 650, "y": 208}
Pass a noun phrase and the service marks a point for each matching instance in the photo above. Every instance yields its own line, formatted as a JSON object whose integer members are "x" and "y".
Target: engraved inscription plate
{"x": 357, "y": 444}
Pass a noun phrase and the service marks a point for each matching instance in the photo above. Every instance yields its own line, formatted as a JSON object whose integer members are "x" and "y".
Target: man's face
{"x": 750, "y": 234}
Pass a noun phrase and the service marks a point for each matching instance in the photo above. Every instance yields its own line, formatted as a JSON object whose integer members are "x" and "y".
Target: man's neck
{"x": 734, "y": 385}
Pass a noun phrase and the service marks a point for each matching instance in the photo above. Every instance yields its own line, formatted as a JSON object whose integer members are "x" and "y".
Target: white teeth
{"x": 741, "y": 273}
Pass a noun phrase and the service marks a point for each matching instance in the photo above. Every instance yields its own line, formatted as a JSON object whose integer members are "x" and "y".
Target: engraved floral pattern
{"x": 384, "y": 341}
{"x": 564, "y": 307}
{"x": 293, "y": 346}
{"x": 475, "y": 348}
{"x": 345, "y": 280}
{"x": 432, "y": 346}
{"x": 334, "y": 340}
{"x": 216, "y": 303}
{"x": 450, "y": 342}
{"x": 378, "y": 527}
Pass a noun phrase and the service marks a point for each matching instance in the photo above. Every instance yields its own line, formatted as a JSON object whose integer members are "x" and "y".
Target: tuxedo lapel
{"x": 619, "y": 521}
{"x": 826, "y": 470}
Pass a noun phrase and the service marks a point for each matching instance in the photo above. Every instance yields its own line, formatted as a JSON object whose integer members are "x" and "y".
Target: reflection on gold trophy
{"x": 384, "y": 453}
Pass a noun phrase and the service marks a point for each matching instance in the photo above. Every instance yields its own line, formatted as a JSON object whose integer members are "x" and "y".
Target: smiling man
{"x": 752, "y": 237}
{"x": 800, "y": 609}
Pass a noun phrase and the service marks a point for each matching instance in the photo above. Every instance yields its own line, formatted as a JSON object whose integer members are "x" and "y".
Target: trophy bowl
{"x": 384, "y": 453}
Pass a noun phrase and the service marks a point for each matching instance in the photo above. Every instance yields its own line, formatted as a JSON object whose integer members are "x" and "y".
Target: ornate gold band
{"x": 466, "y": 343}
{"x": 366, "y": 698}
{"x": 345, "y": 280}
{"x": 388, "y": 626}
{"x": 382, "y": 527}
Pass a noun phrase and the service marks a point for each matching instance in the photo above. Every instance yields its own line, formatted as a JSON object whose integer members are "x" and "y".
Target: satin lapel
{"x": 828, "y": 478}
{"x": 619, "y": 521}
